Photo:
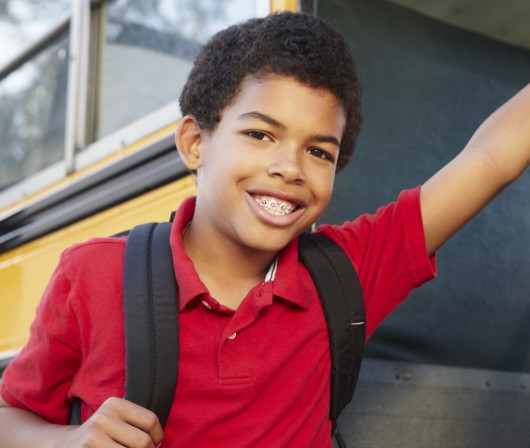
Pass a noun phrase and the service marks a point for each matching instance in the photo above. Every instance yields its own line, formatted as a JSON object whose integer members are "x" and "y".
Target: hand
{"x": 118, "y": 423}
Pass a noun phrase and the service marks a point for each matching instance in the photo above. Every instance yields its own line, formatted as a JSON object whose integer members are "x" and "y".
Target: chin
{"x": 269, "y": 242}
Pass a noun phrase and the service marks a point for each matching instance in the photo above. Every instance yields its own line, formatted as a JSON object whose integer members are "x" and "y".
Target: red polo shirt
{"x": 255, "y": 377}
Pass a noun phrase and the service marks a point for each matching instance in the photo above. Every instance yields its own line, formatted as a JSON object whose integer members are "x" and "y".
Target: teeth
{"x": 275, "y": 206}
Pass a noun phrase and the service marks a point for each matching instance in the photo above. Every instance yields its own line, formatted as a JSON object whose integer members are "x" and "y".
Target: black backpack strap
{"x": 342, "y": 300}
{"x": 74, "y": 418}
{"x": 151, "y": 319}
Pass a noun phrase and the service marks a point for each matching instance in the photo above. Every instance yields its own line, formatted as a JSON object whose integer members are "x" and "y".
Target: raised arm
{"x": 496, "y": 155}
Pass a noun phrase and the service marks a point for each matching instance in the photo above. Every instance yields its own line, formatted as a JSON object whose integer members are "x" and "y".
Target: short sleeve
{"x": 389, "y": 253}
{"x": 39, "y": 378}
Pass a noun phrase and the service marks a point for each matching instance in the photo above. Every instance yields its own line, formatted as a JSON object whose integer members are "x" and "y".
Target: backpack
{"x": 151, "y": 326}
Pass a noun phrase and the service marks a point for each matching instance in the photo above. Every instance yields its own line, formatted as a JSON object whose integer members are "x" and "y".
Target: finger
{"x": 135, "y": 416}
{"x": 132, "y": 437}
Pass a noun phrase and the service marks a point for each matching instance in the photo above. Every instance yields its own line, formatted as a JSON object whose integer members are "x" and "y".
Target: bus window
{"x": 149, "y": 47}
{"x": 32, "y": 114}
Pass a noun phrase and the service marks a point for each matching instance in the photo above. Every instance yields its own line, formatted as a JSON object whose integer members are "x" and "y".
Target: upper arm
{"x": 495, "y": 156}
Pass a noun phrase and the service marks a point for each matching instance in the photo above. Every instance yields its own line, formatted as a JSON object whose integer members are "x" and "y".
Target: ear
{"x": 188, "y": 140}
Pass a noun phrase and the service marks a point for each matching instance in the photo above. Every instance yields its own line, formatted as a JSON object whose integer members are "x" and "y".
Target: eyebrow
{"x": 327, "y": 139}
{"x": 263, "y": 117}
{"x": 273, "y": 122}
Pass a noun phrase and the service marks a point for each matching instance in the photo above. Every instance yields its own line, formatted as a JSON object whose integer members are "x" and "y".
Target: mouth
{"x": 275, "y": 206}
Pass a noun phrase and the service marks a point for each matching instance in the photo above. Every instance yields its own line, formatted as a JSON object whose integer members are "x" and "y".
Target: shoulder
{"x": 96, "y": 253}
{"x": 373, "y": 231}
{"x": 90, "y": 279}
{"x": 95, "y": 246}
{"x": 92, "y": 267}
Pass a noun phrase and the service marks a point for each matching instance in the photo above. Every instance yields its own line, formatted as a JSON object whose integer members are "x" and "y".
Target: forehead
{"x": 290, "y": 102}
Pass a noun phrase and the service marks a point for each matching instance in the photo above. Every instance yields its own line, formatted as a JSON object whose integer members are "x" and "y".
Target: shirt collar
{"x": 285, "y": 273}
{"x": 189, "y": 283}
{"x": 289, "y": 282}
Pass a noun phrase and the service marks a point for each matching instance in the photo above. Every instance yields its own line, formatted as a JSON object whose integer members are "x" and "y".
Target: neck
{"x": 229, "y": 271}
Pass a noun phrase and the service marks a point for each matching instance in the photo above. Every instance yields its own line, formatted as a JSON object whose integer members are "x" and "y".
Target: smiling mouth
{"x": 275, "y": 206}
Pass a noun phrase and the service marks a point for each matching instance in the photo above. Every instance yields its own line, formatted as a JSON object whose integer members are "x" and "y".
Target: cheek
{"x": 324, "y": 185}
{"x": 239, "y": 165}
{"x": 228, "y": 155}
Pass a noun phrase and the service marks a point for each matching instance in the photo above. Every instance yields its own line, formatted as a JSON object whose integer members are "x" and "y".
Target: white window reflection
{"x": 149, "y": 51}
{"x": 32, "y": 114}
{"x": 25, "y": 21}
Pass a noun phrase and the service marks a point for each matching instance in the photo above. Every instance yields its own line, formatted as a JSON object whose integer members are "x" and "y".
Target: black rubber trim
{"x": 132, "y": 177}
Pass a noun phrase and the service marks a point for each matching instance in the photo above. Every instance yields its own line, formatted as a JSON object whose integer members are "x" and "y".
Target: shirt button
{"x": 206, "y": 304}
{"x": 232, "y": 336}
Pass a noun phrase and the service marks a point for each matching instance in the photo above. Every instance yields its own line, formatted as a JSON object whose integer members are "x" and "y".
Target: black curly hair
{"x": 299, "y": 45}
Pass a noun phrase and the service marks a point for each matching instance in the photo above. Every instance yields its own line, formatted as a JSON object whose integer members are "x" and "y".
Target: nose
{"x": 287, "y": 164}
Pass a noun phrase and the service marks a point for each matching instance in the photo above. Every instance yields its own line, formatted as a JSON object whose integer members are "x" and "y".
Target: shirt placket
{"x": 236, "y": 344}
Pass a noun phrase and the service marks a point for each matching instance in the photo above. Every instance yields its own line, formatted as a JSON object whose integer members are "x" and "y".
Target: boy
{"x": 271, "y": 113}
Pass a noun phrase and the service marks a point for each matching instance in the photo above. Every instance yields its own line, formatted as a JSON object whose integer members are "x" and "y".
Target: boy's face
{"x": 266, "y": 172}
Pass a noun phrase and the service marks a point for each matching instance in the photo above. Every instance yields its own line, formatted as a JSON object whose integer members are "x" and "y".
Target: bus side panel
{"x": 25, "y": 271}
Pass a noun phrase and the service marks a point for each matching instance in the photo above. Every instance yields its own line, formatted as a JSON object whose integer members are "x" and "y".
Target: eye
{"x": 258, "y": 135}
{"x": 321, "y": 154}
